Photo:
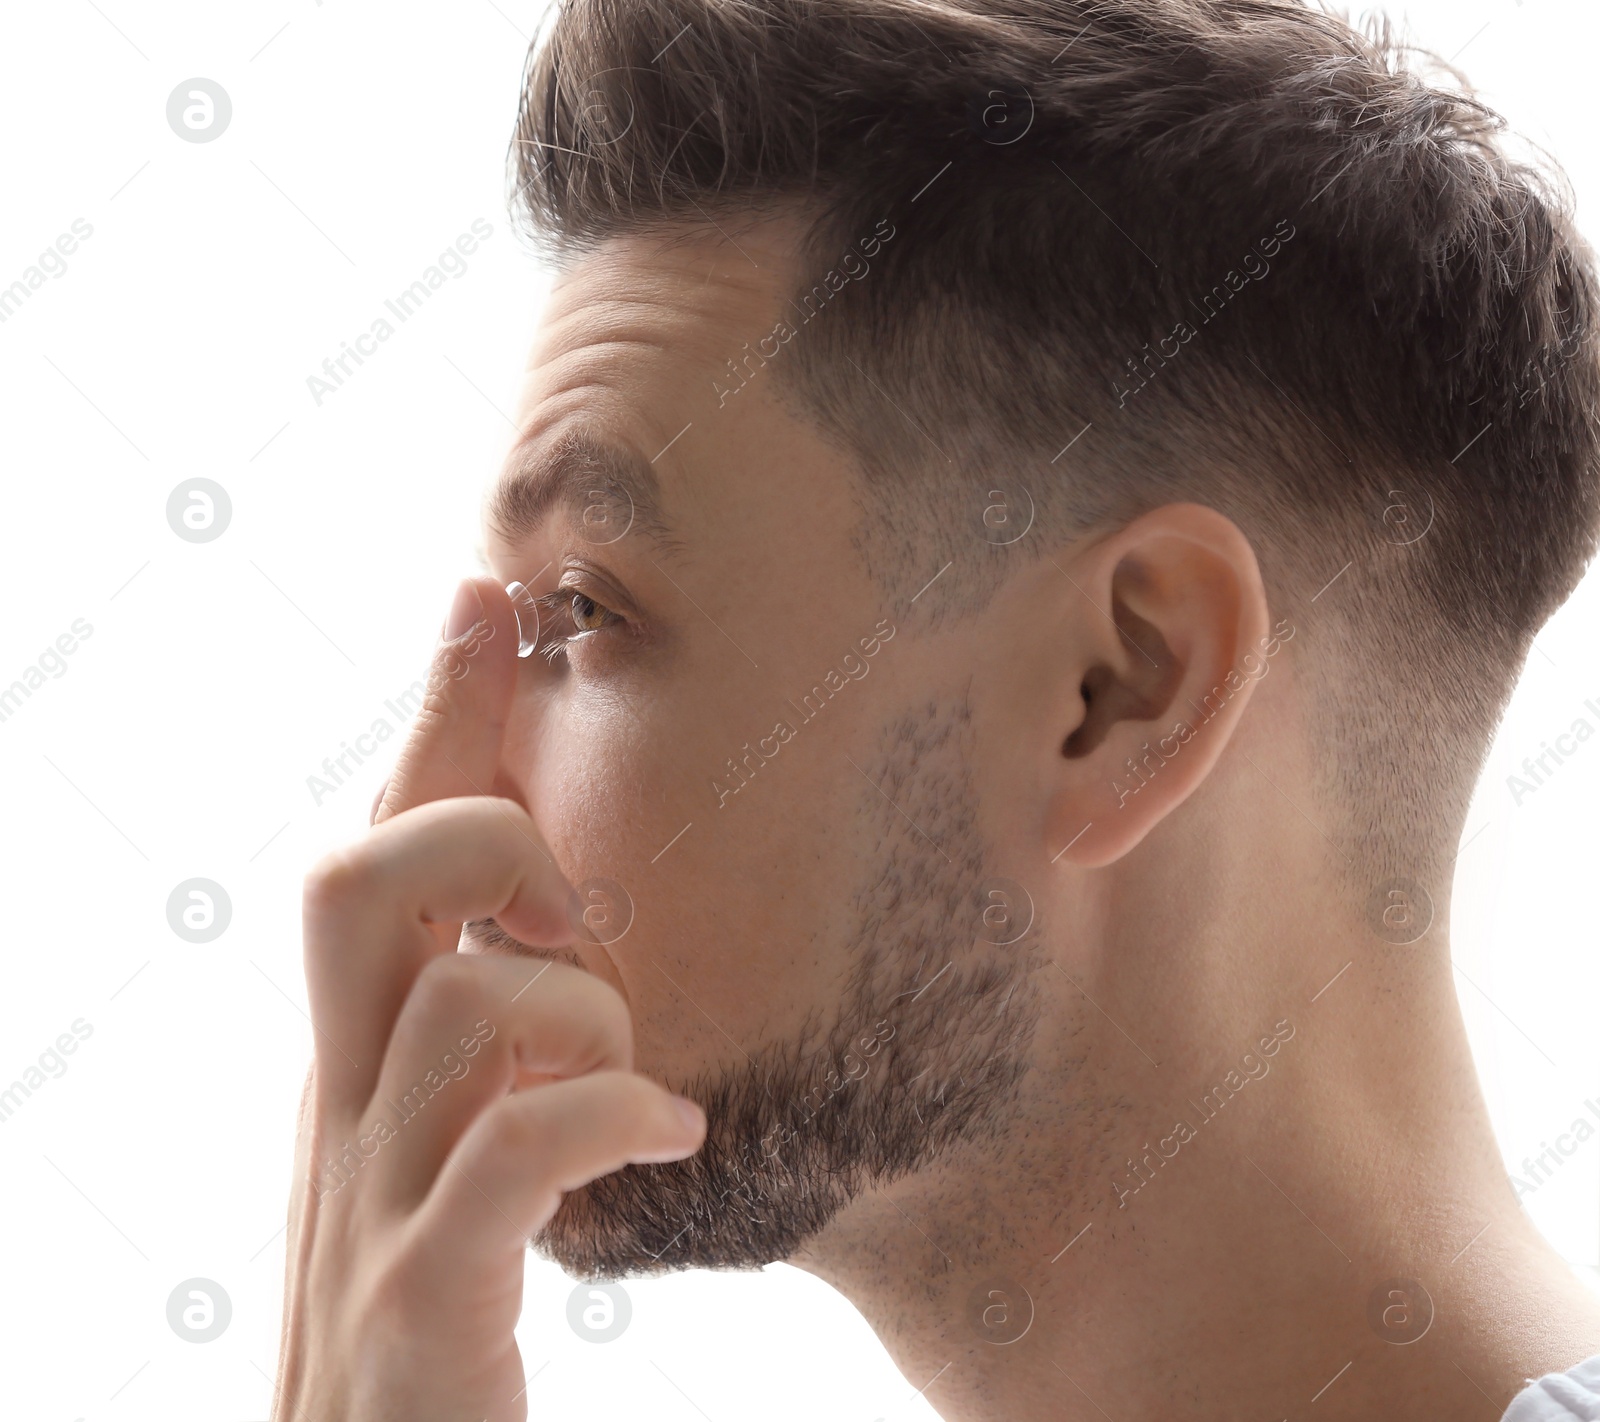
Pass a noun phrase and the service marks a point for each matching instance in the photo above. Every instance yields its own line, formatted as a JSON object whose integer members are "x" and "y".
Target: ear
{"x": 1170, "y": 635}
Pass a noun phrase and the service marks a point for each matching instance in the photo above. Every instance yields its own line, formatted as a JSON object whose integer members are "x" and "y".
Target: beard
{"x": 924, "y": 1051}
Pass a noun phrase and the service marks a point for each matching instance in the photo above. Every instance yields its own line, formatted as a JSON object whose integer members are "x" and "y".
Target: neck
{"x": 1211, "y": 1196}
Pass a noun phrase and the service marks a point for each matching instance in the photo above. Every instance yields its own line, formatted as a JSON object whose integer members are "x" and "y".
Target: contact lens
{"x": 526, "y": 607}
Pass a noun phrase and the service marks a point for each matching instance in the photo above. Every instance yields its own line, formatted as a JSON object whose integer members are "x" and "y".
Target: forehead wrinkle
{"x": 629, "y": 303}
{"x": 628, "y": 281}
{"x": 678, "y": 327}
{"x": 629, "y": 290}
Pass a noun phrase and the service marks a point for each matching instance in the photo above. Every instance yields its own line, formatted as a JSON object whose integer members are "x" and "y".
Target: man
{"x": 1024, "y": 519}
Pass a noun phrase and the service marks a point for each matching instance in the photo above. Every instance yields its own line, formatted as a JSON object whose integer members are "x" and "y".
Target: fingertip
{"x": 455, "y": 742}
{"x": 693, "y": 1118}
{"x": 478, "y": 601}
{"x": 685, "y": 1127}
{"x": 465, "y": 610}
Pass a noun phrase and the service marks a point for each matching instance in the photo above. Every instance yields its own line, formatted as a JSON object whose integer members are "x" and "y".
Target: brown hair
{"x": 1233, "y": 250}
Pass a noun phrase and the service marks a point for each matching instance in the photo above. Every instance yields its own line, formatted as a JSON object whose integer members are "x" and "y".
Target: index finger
{"x": 371, "y": 910}
{"x": 454, "y": 747}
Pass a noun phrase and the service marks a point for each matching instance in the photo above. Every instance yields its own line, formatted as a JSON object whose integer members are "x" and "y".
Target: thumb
{"x": 454, "y": 746}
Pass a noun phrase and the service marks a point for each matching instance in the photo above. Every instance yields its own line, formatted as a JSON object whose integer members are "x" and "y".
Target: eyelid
{"x": 558, "y": 604}
{"x": 561, "y": 599}
{"x": 552, "y": 601}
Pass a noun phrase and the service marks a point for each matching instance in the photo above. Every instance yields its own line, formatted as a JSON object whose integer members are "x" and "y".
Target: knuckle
{"x": 449, "y": 988}
{"x": 516, "y": 1127}
{"x": 597, "y": 1023}
{"x": 342, "y": 877}
{"x": 436, "y": 704}
{"x": 502, "y": 815}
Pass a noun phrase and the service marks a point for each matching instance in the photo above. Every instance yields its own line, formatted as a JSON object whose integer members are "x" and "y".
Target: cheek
{"x": 619, "y": 782}
{"x": 741, "y": 909}
{"x": 743, "y": 903}
{"x": 594, "y": 784}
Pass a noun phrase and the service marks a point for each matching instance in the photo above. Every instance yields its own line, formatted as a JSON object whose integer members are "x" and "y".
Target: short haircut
{"x": 1229, "y": 251}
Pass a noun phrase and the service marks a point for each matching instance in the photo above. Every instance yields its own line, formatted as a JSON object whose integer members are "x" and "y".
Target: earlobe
{"x": 1173, "y": 645}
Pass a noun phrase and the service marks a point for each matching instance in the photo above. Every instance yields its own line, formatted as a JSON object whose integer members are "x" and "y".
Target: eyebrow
{"x": 590, "y": 478}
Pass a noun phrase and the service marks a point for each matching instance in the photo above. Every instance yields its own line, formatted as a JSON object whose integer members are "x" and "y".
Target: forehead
{"x": 636, "y": 345}
{"x": 655, "y": 315}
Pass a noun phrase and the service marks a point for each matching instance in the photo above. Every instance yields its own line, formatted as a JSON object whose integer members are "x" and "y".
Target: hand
{"x": 452, "y": 1097}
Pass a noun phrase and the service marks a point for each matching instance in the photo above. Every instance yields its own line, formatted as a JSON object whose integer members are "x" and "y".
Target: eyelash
{"x": 553, "y": 646}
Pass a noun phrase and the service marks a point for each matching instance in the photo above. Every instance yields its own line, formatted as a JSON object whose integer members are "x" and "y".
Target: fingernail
{"x": 694, "y": 1119}
{"x": 464, "y": 611}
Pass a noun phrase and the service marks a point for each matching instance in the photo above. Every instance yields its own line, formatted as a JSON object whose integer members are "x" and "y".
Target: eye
{"x": 568, "y": 614}
{"x": 587, "y": 614}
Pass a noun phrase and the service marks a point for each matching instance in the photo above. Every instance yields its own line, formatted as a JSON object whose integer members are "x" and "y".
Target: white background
{"x": 177, "y": 744}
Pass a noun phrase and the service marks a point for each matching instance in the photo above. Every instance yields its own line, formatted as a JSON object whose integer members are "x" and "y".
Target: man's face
{"x": 760, "y": 781}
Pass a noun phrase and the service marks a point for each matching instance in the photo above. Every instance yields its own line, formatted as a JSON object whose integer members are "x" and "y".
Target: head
{"x": 1021, "y": 477}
